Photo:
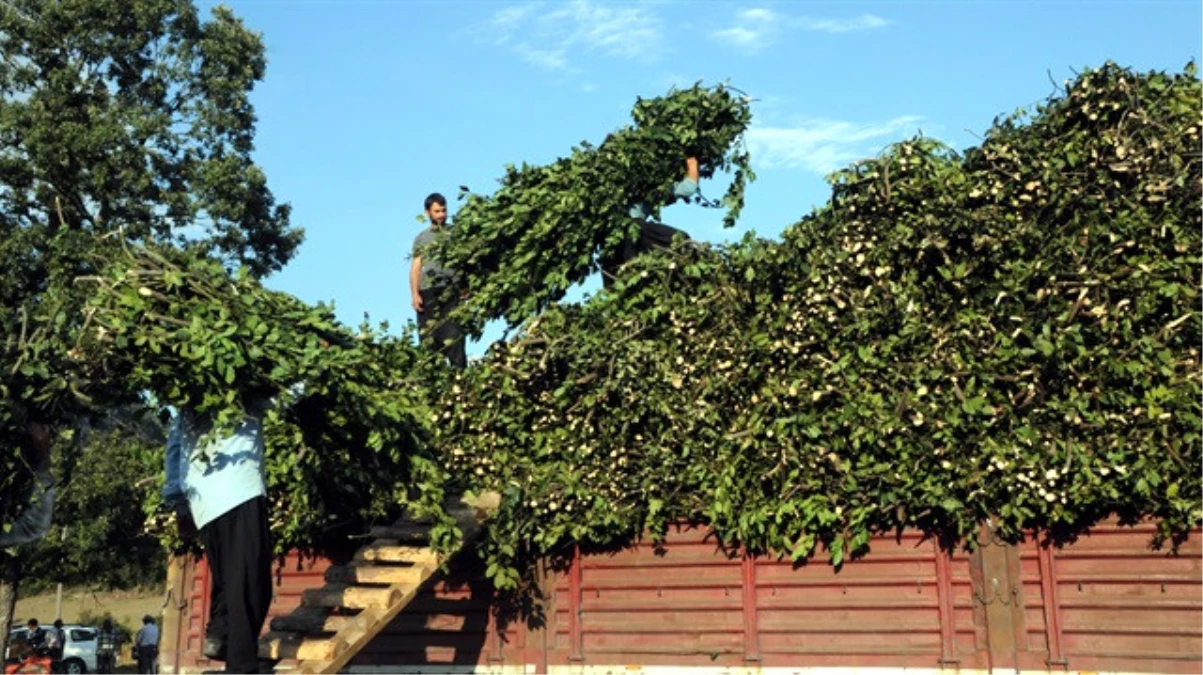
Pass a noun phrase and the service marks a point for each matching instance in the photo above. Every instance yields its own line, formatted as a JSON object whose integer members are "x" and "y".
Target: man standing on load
{"x": 652, "y": 234}
{"x": 432, "y": 289}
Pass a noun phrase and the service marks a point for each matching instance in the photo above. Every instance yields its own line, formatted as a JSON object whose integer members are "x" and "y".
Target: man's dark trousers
{"x": 652, "y": 235}
{"x": 446, "y": 337}
{"x": 238, "y": 550}
{"x": 146, "y": 659}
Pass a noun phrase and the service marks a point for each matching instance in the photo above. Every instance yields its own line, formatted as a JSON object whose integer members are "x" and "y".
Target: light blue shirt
{"x": 681, "y": 190}
{"x": 148, "y": 635}
{"x": 226, "y": 473}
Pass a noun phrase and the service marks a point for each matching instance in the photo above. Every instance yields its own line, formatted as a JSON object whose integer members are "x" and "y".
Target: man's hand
{"x": 417, "y": 302}
{"x": 184, "y": 522}
{"x": 39, "y": 435}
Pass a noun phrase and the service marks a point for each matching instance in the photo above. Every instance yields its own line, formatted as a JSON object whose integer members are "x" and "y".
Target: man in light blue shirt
{"x": 147, "y": 643}
{"x": 220, "y": 490}
{"x": 652, "y": 234}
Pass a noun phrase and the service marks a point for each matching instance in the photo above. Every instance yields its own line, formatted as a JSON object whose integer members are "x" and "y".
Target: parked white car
{"x": 79, "y": 652}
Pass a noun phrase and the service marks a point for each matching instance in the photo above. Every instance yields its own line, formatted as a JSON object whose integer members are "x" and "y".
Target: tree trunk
{"x": 10, "y": 578}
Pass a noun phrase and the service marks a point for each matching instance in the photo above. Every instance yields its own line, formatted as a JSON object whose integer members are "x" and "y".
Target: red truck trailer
{"x": 1106, "y": 603}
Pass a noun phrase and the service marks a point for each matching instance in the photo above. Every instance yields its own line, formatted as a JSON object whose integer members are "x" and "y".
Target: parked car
{"x": 79, "y": 650}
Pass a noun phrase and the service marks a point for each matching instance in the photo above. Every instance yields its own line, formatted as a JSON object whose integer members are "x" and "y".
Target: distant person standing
{"x": 432, "y": 289}
{"x": 106, "y": 648}
{"x": 35, "y": 634}
{"x": 147, "y": 642}
{"x": 55, "y": 640}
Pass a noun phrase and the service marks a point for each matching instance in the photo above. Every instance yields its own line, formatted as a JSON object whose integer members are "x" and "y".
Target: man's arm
{"x": 34, "y": 521}
{"x": 173, "y": 488}
{"x": 415, "y": 282}
{"x": 688, "y": 187}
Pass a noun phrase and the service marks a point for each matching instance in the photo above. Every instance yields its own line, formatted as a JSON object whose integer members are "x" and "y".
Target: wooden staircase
{"x": 361, "y": 598}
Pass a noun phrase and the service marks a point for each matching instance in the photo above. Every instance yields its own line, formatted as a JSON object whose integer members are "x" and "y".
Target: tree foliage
{"x": 99, "y": 539}
{"x": 135, "y": 116}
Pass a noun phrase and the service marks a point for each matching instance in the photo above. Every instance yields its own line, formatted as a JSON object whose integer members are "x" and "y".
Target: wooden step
{"x": 276, "y": 645}
{"x": 396, "y": 553}
{"x": 352, "y": 597}
{"x": 406, "y": 534}
{"x": 310, "y": 621}
{"x": 315, "y": 668}
{"x": 376, "y": 574}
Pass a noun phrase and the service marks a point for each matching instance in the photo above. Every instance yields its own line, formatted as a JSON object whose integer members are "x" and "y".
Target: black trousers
{"x": 436, "y": 331}
{"x": 105, "y": 663}
{"x": 146, "y": 660}
{"x": 238, "y": 548}
{"x": 652, "y": 235}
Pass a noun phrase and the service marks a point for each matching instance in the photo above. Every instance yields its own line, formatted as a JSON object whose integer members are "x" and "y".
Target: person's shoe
{"x": 215, "y": 649}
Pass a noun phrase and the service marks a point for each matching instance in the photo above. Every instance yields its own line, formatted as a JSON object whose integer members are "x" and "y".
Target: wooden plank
{"x": 375, "y": 574}
{"x": 352, "y": 597}
{"x": 310, "y": 620}
{"x": 393, "y": 553}
{"x": 314, "y": 668}
{"x": 302, "y": 620}
{"x": 408, "y": 534}
{"x": 293, "y": 646}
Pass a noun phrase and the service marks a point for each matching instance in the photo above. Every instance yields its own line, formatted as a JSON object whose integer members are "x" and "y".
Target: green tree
{"x": 120, "y": 120}
{"x": 100, "y": 539}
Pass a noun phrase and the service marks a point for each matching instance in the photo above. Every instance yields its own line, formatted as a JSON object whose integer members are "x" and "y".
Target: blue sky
{"x": 368, "y": 105}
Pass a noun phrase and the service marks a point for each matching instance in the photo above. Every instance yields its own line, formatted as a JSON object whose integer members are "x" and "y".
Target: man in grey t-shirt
{"x": 432, "y": 289}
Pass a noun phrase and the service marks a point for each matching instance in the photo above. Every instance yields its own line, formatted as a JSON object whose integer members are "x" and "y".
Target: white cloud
{"x": 741, "y": 36}
{"x": 552, "y": 35}
{"x": 757, "y": 28}
{"x": 862, "y": 22}
{"x": 549, "y": 59}
{"x": 821, "y": 146}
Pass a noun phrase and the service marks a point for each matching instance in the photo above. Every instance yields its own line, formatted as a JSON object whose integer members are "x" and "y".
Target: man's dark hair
{"x": 435, "y": 198}
{"x": 58, "y": 623}
{"x": 32, "y": 622}
{"x": 148, "y": 619}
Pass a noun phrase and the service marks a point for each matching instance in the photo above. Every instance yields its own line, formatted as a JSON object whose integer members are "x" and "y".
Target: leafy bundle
{"x": 521, "y": 248}
{"x": 1009, "y": 334}
{"x": 343, "y": 447}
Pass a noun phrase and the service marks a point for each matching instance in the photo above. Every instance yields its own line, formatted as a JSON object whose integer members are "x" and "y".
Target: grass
{"x": 126, "y": 607}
